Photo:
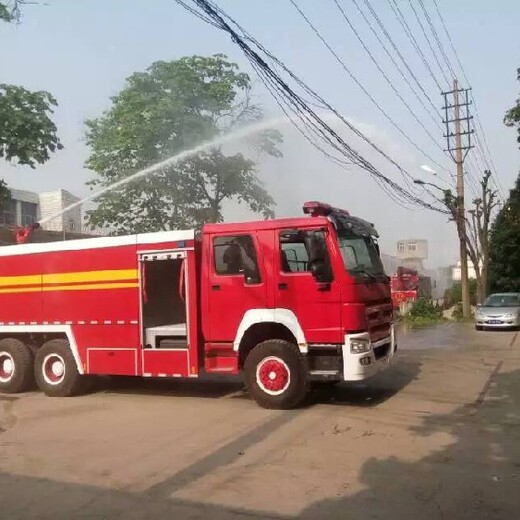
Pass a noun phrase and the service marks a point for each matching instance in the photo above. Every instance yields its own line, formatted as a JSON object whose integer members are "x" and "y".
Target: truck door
{"x": 317, "y": 305}
{"x": 169, "y": 346}
{"x": 236, "y": 283}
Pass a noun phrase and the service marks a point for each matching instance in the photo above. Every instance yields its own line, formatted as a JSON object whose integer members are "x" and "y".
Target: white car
{"x": 499, "y": 311}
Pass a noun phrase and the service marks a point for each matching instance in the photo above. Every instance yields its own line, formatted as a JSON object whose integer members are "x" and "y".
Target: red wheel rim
{"x": 6, "y": 367}
{"x": 53, "y": 369}
{"x": 273, "y": 375}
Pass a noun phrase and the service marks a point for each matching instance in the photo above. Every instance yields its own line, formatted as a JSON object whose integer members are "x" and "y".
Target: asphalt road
{"x": 435, "y": 437}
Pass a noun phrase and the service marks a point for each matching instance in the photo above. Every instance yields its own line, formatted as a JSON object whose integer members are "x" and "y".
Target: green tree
{"x": 171, "y": 107}
{"x": 512, "y": 117}
{"x": 504, "y": 269}
{"x": 27, "y": 133}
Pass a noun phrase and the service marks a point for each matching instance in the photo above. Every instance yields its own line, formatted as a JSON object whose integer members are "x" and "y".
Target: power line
{"x": 417, "y": 17}
{"x": 496, "y": 180}
{"x": 437, "y": 39}
{"x": 404, "y": 24}
{"x": 365, "y": 91}
{"x": 259, "y": 56}
{"x": 396, "y": 49}
{"x": 397, "y": 66}
{"x": 479, "y": 148}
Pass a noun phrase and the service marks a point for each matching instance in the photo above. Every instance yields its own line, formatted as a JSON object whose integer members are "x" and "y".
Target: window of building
{"x": 8, "y": 215}
{"x": 236, "y": 255}
{"x": 29, "y": 213}
{"x": 401, "y": 247}
{"x": 412, "y": 246}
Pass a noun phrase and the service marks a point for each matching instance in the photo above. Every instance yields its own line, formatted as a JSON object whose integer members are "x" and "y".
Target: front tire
{"x": 479, "y": 327}
{"x": 55, "y": 370}
{"x": 16, "y": 366}
{"x": 275, "y": 375}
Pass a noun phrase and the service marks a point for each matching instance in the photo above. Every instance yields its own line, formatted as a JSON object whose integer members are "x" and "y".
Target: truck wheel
{"x": 275, "y": 375}
{"x": 16, "y": 366}
{"x": 55, "y": 370}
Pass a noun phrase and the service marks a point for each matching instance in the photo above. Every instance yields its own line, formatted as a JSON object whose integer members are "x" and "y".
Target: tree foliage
{"x": 512, "y": 117}
{"x": 171, "y": 107}
{"x": 27, "y": 133}
{"x": 504, "y": 269}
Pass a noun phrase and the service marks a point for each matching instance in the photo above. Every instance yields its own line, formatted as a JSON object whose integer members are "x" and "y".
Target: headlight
{"x": 509, "y": 315}
{"x": 359, "y": 345}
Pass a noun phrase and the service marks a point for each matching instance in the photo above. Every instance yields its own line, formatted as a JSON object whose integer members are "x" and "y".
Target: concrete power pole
{"x": 459, "y": 144}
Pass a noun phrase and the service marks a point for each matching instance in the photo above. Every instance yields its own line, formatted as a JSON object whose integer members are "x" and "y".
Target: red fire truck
{"x": 288, "y": 301}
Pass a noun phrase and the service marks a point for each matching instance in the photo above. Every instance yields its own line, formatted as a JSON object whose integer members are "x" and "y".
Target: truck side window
{"x": 293, "y": 251}
{"x": 236, "y": 255}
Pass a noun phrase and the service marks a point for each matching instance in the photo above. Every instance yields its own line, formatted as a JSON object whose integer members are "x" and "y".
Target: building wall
{"x": 456, "y": 271}
{"x": 26, "y": 207}
{"x": 51, "y": 203}
{"x": 412, "y": 248}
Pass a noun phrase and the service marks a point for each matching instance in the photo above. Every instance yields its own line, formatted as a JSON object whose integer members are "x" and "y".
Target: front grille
{"x": 382, "y": 351}
{"x": 379, "y": 319}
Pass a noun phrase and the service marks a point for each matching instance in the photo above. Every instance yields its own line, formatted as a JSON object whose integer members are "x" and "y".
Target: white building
{"x": 456, "y": 271}
{"x": 26, "y": 207}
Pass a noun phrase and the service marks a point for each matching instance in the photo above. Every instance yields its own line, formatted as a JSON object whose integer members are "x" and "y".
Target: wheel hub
{"x": 273, "y": 375}
{"x": 53, "y": 369}
{"x": 6, "y": 367}
{"x": 57, "y": 368}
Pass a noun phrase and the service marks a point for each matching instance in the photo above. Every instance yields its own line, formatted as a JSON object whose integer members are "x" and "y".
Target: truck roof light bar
{"x": 320, "y": 209}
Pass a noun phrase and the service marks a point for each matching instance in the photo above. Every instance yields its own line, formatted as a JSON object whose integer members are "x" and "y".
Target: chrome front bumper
{"x": 503, "y": 323}
{"x": 359, "y": 366}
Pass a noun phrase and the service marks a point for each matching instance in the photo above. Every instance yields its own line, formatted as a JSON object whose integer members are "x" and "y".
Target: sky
{"x": 82, "y": 52}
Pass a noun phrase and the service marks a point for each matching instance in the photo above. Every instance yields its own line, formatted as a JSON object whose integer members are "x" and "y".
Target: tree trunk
{"x": 481, "y": 289}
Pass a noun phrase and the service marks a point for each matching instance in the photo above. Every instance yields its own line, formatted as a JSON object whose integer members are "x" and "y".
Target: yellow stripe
{"x": 91, "y": 287}
{"x": 32, "y": 279}
{"x": 111, "y": 275}
{"x": 91, "y": 276}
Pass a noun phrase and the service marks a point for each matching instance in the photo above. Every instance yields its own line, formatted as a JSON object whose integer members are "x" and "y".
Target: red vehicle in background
{"x": 404, "y": 286}
{"x": 288, "y": 301}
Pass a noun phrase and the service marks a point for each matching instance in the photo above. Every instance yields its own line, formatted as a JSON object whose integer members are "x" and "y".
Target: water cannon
{"x": 22, "y": 234}
{"x": 320, "y": 209}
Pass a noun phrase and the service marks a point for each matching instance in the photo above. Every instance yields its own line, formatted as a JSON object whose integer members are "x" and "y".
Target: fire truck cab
{"x": 286, "y": 301}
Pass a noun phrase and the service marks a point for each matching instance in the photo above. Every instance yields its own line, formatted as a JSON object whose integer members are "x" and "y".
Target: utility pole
{"x": 459, "y": 144}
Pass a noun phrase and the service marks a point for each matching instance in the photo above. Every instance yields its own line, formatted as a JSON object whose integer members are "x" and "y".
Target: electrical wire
{"x": 298, "y": 105}
{"x": 437, "y": 39}
{"x": 409, "y": 33}
{"x": 490, "y": 164}
{"x": 398, "y": 67}
{"x": 365, "y": 91}
{"x": 417, "y": 17}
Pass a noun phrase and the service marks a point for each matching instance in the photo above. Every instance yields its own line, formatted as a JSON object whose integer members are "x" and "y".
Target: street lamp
{"x": 424, "y": 183}
{"x": 428, "y": 169}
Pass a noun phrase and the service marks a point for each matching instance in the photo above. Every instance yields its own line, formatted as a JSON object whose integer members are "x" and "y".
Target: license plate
{"x": 494, "y": 322}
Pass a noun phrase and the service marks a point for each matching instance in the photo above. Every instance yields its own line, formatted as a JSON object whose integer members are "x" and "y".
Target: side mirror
{"x": 479, "y": 305}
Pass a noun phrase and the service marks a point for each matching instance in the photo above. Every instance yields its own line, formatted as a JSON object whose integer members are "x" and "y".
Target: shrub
{"x": 424, "y": 309}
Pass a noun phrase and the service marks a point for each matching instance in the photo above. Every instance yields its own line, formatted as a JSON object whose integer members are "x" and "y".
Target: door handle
{"x": 283, "y": 286}
{"x": 215, "y": 287}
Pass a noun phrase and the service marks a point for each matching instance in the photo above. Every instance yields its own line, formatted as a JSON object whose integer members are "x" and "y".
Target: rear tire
{"x": 55, "y": 370}
{"x": 16, "y": 367}
{"x": 275, "y": 375}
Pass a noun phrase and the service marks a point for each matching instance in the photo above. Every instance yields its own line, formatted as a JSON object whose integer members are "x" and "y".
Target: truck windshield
{"x": 360, "y": 254}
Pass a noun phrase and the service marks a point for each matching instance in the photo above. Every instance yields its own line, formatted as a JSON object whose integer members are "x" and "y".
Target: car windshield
{"x": 360, "y": 254}
{"x": 502, "y": 300}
